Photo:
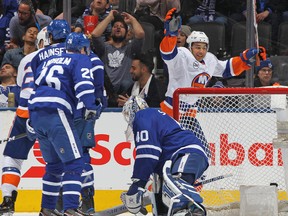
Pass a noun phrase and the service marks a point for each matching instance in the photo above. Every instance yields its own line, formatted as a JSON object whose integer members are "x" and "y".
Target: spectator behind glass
{"x": 77, "y": 8}
{"x": 264, "y": 74}
{"x": 8, "y": 75}
{"x": 7, "y": 11}
{"x": 29, "y": 38}
{"x": 154, "y": 11}
{"x": 145, "y": 84}
{"x": 185, "y": 31}
{"x": 117, "y": 53}
{"x": 269, "y": 11}
{"x": 100, "y": 8}
{"x": 22, "y": 19}
{"x": 207, "y": 12}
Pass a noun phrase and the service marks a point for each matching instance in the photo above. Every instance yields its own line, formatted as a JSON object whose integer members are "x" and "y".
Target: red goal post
{"x": 240, "y": 128}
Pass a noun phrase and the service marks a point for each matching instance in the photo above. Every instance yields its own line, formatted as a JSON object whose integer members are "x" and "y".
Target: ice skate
{"x": 8, "y": 204}
{"x": 87, "y": 203}
{"x": 74, "y": 212}
{"x": 50, "y": 212}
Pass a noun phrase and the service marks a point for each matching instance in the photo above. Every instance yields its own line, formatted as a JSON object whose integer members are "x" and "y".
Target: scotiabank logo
{"x": 105, "y": 155}
{"x": 240, "y": 153}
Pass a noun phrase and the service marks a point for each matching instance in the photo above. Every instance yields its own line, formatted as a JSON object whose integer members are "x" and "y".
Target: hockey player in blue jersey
{"x": 57, "y": 32}
{"x": 60, "y": 82}
{"x": 165, "y": 149}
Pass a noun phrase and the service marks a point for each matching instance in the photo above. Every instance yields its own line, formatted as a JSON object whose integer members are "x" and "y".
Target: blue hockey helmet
{"x": 76, "y": 41}
{"x": 133, "y": 105}
{"x": 59, "y": 29}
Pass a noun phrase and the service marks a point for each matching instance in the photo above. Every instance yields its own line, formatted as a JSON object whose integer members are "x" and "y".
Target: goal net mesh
{"x": 238, "y": 128}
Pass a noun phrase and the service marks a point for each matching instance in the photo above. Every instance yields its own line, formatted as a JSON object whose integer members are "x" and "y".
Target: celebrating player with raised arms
{"x": 194, "y": 67}
{"x": 164, "y": 148}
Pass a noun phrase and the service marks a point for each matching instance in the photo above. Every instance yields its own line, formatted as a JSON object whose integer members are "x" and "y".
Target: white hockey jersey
{"x": 185, "y": 71}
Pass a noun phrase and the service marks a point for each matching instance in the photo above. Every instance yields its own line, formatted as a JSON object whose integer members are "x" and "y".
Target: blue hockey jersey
{"x": 61, "y": 81}
{"x": 158, "y": 138}
{"x": 45, "y": 53}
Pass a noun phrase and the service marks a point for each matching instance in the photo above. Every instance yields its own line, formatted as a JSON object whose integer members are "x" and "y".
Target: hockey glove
{"x": 172, "y": 23}
{"x": 262, "y": 53}
{"x": 248, "y": 56}
{"x": 133, "y": 199}
{"x": 30, "y": 131}
{"x": 93, "y": 114}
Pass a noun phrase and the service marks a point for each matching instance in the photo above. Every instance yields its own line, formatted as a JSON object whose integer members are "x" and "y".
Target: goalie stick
{"x": 120, "y": 209}
{"x": 19, "y": 136}
{"x": 212, "y": 179}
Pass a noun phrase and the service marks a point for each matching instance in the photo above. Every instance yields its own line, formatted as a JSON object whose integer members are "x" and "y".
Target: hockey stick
{"x": 122, "y": 209}
{"x": 213, "y": 179}
{"x": 19, "y": 136}
{"x": 147, "y": 199}
{"x": 257, "y": 63}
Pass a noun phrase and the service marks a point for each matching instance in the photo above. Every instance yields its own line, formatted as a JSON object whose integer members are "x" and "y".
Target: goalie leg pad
{"x": 177, "y": 193}
{"x": 190, "y": 163}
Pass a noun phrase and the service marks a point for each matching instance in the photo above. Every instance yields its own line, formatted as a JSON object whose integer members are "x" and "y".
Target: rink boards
{"x": 112, "y": 161}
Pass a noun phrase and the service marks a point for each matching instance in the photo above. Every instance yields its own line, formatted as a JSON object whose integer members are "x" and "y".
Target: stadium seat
{"x": 238, "y": 38}
{"x": 216, "y": 34}
{"x": 127, "y": 6}
{"x": 280, "y": 68}
{"x": 149, "y": 40}
{"x": 283, "y": 39}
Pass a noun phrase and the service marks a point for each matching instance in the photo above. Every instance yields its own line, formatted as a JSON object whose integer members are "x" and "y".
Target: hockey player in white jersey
{"x": 193, "y": 67}
{"x": 13, "y": 160}
{"x": 164, "y": 148}
{"x": 60, "y": 82}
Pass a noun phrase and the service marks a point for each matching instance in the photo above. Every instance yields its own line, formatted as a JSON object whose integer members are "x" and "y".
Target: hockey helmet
{"x": 59, "y": 29}
{"x": 197, "y": 36}
{"x": 133, "y": 105}
{"x": 76, "y": 41}
{"x": 43, "y": 35}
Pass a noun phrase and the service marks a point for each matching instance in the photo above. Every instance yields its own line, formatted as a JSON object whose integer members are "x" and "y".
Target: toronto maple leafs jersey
{"x": 61, "y": 81}
{"x": 45, "y": 53}
{"x": 158, "y": 138}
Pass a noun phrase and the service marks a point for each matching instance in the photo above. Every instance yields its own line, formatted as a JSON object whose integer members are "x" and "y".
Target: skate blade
{"x": 7, "y": 214}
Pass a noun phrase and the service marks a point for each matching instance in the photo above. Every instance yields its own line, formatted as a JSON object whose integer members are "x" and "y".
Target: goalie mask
{"x": 133, "y": 105}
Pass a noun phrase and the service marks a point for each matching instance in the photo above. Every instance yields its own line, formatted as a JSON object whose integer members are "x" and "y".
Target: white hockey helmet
{"x": 133, "y": 105}
{"x": 197, "y": 36}
{"x": 43, "y": 35}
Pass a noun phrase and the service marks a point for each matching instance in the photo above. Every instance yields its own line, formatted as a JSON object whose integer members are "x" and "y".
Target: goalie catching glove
{"x": 172, "y": 23}
{"x": 133, "y": 199}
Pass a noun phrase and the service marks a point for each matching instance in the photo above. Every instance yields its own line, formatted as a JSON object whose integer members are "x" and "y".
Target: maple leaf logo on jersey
{"x": 115, "y": 59}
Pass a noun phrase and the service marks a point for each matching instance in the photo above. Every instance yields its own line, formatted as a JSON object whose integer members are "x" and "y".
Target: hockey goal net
{"x": 239, "y": 128}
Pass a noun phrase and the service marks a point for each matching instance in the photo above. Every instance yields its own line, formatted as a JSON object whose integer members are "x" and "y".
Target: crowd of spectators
{"x": 118, "y": 34}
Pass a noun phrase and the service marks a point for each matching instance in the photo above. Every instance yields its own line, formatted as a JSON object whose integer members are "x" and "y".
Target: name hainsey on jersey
{"x": 61, "y": 81}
